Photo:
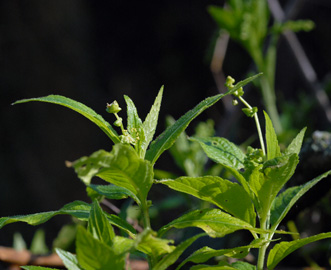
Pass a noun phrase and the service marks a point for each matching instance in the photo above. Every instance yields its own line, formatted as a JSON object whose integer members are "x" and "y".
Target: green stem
{"x": 146, "y": 218}
{"x": 257, "y": 122}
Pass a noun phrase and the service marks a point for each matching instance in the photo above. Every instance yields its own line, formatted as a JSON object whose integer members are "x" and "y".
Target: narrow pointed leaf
{"x": 295, "y": 145}
{"x": 222, "y": 151}
{"x": 31, "y": 267}
{"x": 285, "y": 201}
{"x": 225, "y": 194}
{"x": 69, "y": 260}
{"x": 213, "y": 221}
{"x": 112, "y": 192}
{"x": 135, "y": 125}
{"x": 206, "y": 253}
{"x": 172, "y": 257}
{"x": 77, "y": 209}
{"x": 273, "y": 149}
{"x": 80, "y": 108}
{"x": 127, "y": 170}
{"x": 283, "y": 249}
{"x": 169, "y": 136}
{"x": 150, "y": 122}
{"x": 99, "y": 226}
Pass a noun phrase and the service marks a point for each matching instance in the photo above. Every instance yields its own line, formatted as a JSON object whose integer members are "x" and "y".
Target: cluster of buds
{"x": 114, "y": 108}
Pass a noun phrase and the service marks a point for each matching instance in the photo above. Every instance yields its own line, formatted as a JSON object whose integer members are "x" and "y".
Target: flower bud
{"x": 113, "y": 107}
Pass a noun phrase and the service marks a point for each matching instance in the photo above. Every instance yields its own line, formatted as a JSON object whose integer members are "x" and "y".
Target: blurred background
{"x": 97, "y": 51}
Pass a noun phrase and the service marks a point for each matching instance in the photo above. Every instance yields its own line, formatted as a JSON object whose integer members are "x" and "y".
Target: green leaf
{"x": 37, "y": 268}
{"x": 169, "y": 136}
{"x": 153, "y": 246}
{"x": 77, "y": 209}
{"x": 273, "y": 149}
{"x": 93, "y": 254}
{"x": 87, "y": 167}
{"x": 243, "y": 266}
{"x": 212, "y": 267}
{"x": 276, "y": 173}
{"x": 172, "y": 257}
{"x": 80, "y": 108}
{"x": 135, "y": 126}
{"x": 38, "y": 244}
{"x": 213, "y": 221}
{"x": 206, "y": 253}
{"x": 295, "y": 145}
{"x": 284, "y": 202}
{"x": 150, "y": 123}
{"x": 112, "y": 192}
{"x": 99, "y": 226}
{"x": 127, "y": 170}
{"x": 222, "y": 151}
{"x": 225, "y": 194}
{"x": 283, "y": 249}
{"x": 69, "y": 260}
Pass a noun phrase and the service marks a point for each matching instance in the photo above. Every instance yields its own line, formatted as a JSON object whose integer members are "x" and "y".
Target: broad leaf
{"x": 127, "y": 170}
{"x": 99, "y": 226}
{"x": 295, "y": 145}
{"x": 80, "y": 108}
{"x": 169, "y": 136}
{"x": 112, "y": 192}
{"x": 150, "y": 122}
{"x": 222, "y": 151}
{"x": 284, "y": 202}
{"x": 172, "y": 257}
{"x": 213, "y": 221}
{"x": 283, "y": 249}
{"x": 206, "y": 253}
{"x": 227, "y": 195}
{"x": 93, "y": 254}
{"x": 135, "y": 126}
{"x": 87, "y": 167}
{"x": 276, "y": 173}
{"x": 77, "y": 209}
{"x": 69, "y": 260}
{"x": 273, "y": 149}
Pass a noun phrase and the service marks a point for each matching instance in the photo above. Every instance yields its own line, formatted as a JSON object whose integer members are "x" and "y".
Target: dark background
{"x": 95, "y": 52}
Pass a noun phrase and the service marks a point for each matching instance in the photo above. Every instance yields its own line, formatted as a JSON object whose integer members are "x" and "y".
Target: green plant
{"x": 261, "y": 175}
{"x": 129, "y": 168}
{"x": 247, "y": 22}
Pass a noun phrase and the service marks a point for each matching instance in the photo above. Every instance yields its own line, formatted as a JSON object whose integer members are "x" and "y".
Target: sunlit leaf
{"x": 222, "y": 151}
{"x": 295, "y": 145}
{"x": 283, "y": 249}
{"x": 172, "y": 257}
{"x": 285, "y": 201}
{"x": 225, "y": 194}
{"x": 99, "y": 226}
{"x": 273, "y": 149}
{"x": 77, "y": 209}
{"x": 213, "y": 221}
{"x": 80, "y": 108}
{"x": 151, "y": 120}
{"x": 69, "y": 260}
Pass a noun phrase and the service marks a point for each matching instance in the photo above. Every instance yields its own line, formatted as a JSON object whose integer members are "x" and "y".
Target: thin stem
{"x": 257, "y": 122}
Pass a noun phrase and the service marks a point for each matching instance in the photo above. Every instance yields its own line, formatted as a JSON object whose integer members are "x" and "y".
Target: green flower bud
{"x": 113, "y": 107}
{"x": 250, "y": 112}
{"x": 118, "y": 122}
{"x": 229, "y": 82}
{"x": 234, "y": 102}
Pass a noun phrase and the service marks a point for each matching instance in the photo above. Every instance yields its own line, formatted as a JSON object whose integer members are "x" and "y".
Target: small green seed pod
{"x": 113, "y": 107}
